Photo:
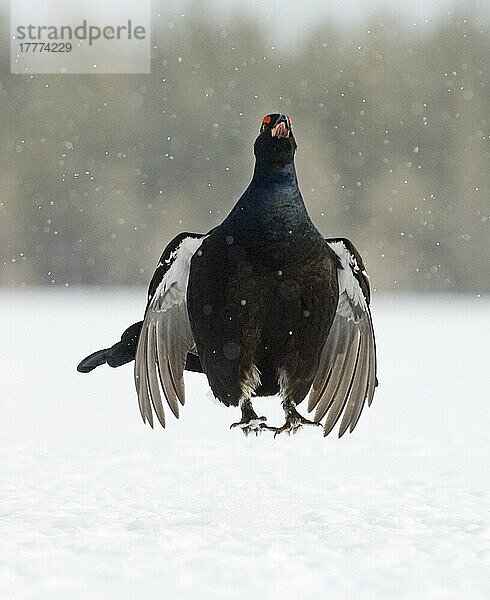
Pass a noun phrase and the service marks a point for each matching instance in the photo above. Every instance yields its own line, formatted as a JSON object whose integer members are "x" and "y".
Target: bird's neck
{"x": 272, "y": 202}
{"x": 282, "y": 174}
{"x": 274, "y": 187}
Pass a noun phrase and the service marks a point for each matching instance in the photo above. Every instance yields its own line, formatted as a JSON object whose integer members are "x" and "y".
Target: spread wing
{"x": 346, "y": 376}
{"x": 167, "y": 259}
{"x": 166, "y": 337}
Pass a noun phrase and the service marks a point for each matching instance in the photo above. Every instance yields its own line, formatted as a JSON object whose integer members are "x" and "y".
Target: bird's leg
{"x": 250, "y": 422}
{"x": 294, "y": 421}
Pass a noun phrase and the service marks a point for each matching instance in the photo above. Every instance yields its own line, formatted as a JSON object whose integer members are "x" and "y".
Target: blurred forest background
{"x": 392, "y": 122}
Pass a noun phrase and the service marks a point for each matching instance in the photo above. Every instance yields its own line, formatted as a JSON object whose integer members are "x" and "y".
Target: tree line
{"x": 392, "y": 123}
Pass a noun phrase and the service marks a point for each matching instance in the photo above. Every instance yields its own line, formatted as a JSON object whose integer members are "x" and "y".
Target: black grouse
{"x": 263, "y": 305}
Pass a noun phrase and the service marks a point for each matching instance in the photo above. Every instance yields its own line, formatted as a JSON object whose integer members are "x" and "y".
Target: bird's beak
{"x": 281, "y": 128}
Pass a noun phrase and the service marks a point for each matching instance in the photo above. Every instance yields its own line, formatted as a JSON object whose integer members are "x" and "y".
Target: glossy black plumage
{"x": 262, "y": 304}
{"x": 263, "y": 288}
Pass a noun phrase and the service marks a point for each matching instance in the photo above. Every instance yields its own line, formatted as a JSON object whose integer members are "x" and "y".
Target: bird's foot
{"x": 294, "y": 422}
{"x": 251, "y": 425}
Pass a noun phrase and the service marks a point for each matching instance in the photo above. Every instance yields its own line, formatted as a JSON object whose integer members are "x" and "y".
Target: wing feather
{"x": 370, "y": 379}
{"x": 358, "y": 383}
{"x": 153, "y": 378}
{"x": 164, "y": 346}
{"x": 345, "y": 383}
{"x": 142, "y": 385}
{"x": 336, "y": 354}
{"x": 330, "y": 352}
{"x": 166, "y": 339}
{"x": 372, "y": 382}
{"x": 346, "y": 375}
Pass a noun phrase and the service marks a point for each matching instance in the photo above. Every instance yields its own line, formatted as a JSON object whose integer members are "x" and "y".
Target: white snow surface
{"x": 93, "y": 504}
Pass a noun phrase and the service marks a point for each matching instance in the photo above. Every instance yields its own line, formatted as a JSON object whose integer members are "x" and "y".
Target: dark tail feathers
{"x": 93, "y": 360}
{"x": 119, "y": 354}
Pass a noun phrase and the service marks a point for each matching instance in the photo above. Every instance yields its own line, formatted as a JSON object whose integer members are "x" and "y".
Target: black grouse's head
{"x": 275, "y": 146}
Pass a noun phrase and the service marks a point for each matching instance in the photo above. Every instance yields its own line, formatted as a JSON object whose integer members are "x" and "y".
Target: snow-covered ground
{"x": 93, "y": 504}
